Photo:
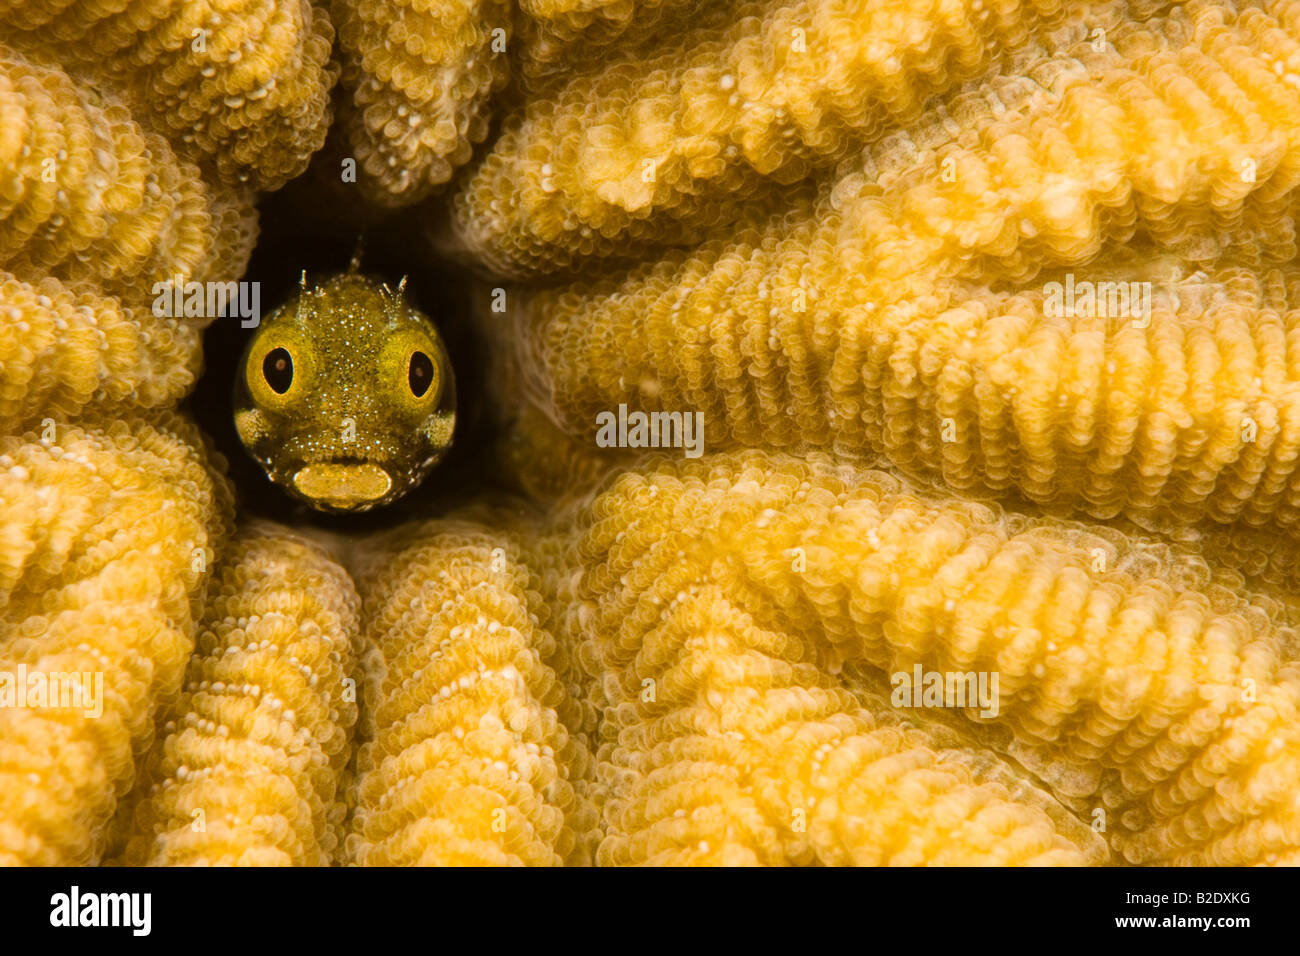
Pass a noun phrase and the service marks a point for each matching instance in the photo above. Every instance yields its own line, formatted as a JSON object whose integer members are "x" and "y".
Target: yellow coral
{"x": 249, "y": 769}
{"x": 418, "y": 76}
{"x": 845, "y": 328}
{"x": 1124, "y": 685}
{"x": 245, "y": 85}
{"x": 62, "y": 350}
{"x": 1268, "y": 560}
{"x": 733, "y": 749}
{"x": 564, "y": 37}
{"x": 771, "y": 90}
{"x": 544, "y": 461}
{"x": 108, "y": 530}
{"x": 467, "y": 759}
{"x": 695, "y": 661}
{"x": 90, "y": 196}
{"x": 1102, "y": 413}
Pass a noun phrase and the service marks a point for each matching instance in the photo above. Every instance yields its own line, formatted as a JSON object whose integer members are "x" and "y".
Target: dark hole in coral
{"x": 301, "y": 231}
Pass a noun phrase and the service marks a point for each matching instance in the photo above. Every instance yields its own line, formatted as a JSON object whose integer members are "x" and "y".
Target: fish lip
{"x": 342, "y": 484}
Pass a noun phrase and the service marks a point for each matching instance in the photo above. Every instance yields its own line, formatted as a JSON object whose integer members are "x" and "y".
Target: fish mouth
{"x": 343, "y": 486}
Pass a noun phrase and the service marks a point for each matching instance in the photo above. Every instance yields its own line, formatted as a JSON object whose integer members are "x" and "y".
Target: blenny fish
{"x": 345, "y": 394}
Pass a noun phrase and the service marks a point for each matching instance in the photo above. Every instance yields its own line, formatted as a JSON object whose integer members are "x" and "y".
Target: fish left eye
{"x": 419, "y": 373}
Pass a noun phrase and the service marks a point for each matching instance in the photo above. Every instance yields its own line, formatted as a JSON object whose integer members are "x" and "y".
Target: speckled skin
{"x": 351, "y": 340}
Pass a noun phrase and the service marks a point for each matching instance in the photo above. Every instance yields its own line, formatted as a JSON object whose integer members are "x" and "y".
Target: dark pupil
{"x": 277, "y": 368}
{"x": 420, "y": 374}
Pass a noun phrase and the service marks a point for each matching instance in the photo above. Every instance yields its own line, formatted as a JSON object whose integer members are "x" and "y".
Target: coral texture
{"x": 467, "y": 759}
{"x": 92, "y": 196}
{"x": 243, "y": 85}
{"x": 718, "y": 598}
{"x": 907, "y": 312}
{"x": 61, "y": 351}
{"x": 770, "y": 90}
{"x": 108, "y": 531}
{"x": 988, "y": 308}
{"x": 562, "y": 38}
{"x": 418, "y": 76}
{"x": 96, "y": 210}
{"x": 249, "y": 770}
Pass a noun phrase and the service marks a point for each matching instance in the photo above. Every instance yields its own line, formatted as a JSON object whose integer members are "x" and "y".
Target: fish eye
{"x": 277, "y": 369}
{"x": 419, "y": 373}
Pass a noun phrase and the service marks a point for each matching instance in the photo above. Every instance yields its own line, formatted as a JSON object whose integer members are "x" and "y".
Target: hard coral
{"x": 63, "y": 350}
{"x": 562, "y": 36}
{"x": 466, "y": 759}
{"x": 91, "y": 196}
{"x": 878, "y": 209}
{"x": 108, "y": 531}
{"x": 719, "y": 597}
{"x": 865, "y": 322}
{"x": 249, "y": 770}
{"x": 766, "y": 90}
{"x": 418, "y": 76}
{"x": 244, "y": 86}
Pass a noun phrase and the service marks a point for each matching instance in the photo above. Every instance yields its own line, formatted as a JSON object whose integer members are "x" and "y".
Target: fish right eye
{"x": 419, "y": 373}
{"x": 277, "y": 369}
